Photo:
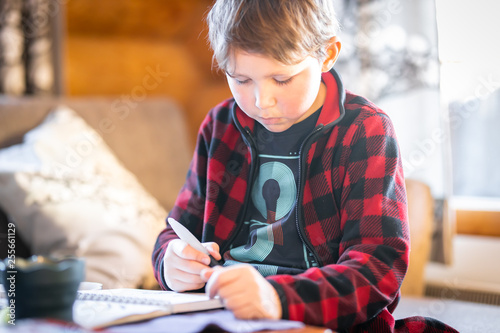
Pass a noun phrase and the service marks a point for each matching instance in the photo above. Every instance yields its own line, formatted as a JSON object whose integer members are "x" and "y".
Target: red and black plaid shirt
{"x": 352, "y": 213}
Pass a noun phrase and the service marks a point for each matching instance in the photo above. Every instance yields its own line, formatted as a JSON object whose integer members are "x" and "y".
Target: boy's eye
{"x": 242, "y": 81}
{"x": 284, "y": 82}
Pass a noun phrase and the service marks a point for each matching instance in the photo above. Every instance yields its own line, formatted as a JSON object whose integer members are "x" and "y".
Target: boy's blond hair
{"x": 286, "y": 30}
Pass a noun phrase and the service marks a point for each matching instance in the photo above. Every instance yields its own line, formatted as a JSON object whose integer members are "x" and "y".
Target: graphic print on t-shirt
{"x": 274, "y": 195}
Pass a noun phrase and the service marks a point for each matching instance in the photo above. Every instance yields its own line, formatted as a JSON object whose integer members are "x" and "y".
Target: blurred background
{"x": 432, "y": 65}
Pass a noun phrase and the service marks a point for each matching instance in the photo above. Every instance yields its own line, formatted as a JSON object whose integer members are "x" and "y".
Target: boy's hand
{"x": 182, "y": 264}
{"x": 244, "y": 291}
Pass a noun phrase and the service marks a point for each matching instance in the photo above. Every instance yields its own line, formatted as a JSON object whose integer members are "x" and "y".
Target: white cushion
{"x": 69, "y": 195}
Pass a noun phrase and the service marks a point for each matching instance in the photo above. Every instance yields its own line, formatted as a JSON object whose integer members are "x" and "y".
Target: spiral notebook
{"x": 103, "y": 308}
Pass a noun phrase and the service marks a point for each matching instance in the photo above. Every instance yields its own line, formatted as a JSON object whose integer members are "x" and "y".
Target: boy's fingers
{"x": 191, "y": 266}
{"x": 188, "y": 278}
{"x": 212, "y": 286}
{"x": 185, "y": 251}
{"x": 206, "y": 274}
{"x": 213, "y": 248}
{"x": 232, "y": 291}
{"x": 180, "y": 285}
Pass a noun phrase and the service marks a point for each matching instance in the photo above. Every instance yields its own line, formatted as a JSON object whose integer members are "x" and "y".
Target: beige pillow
{"x": 69, "y": 195}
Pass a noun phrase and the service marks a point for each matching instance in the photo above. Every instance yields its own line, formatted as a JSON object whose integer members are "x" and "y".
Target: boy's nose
{"x": 264, "y": 99}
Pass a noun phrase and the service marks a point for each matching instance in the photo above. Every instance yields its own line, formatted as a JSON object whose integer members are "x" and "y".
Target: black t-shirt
{"x": 269, "y": 238}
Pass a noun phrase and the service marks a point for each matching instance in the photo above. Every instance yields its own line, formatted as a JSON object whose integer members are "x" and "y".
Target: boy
{"x": 296, "y": 185}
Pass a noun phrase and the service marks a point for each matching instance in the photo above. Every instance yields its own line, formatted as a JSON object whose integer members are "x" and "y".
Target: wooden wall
{"x": 113, "y": 47}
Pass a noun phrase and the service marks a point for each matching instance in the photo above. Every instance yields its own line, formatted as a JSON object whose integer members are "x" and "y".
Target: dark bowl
{"x": 42, "y": 287}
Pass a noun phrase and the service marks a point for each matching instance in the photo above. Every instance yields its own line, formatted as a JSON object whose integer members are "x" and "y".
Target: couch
{"x": 150, "y": 139}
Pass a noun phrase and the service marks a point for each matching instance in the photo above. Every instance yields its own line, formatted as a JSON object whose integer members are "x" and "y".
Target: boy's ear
{"x": 332, "y": 51}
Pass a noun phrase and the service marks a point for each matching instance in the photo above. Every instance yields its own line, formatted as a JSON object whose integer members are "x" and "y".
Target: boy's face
{"x": 274, "y": 94}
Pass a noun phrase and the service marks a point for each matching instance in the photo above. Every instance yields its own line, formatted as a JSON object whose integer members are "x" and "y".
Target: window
{"x": 470, "y": 87}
